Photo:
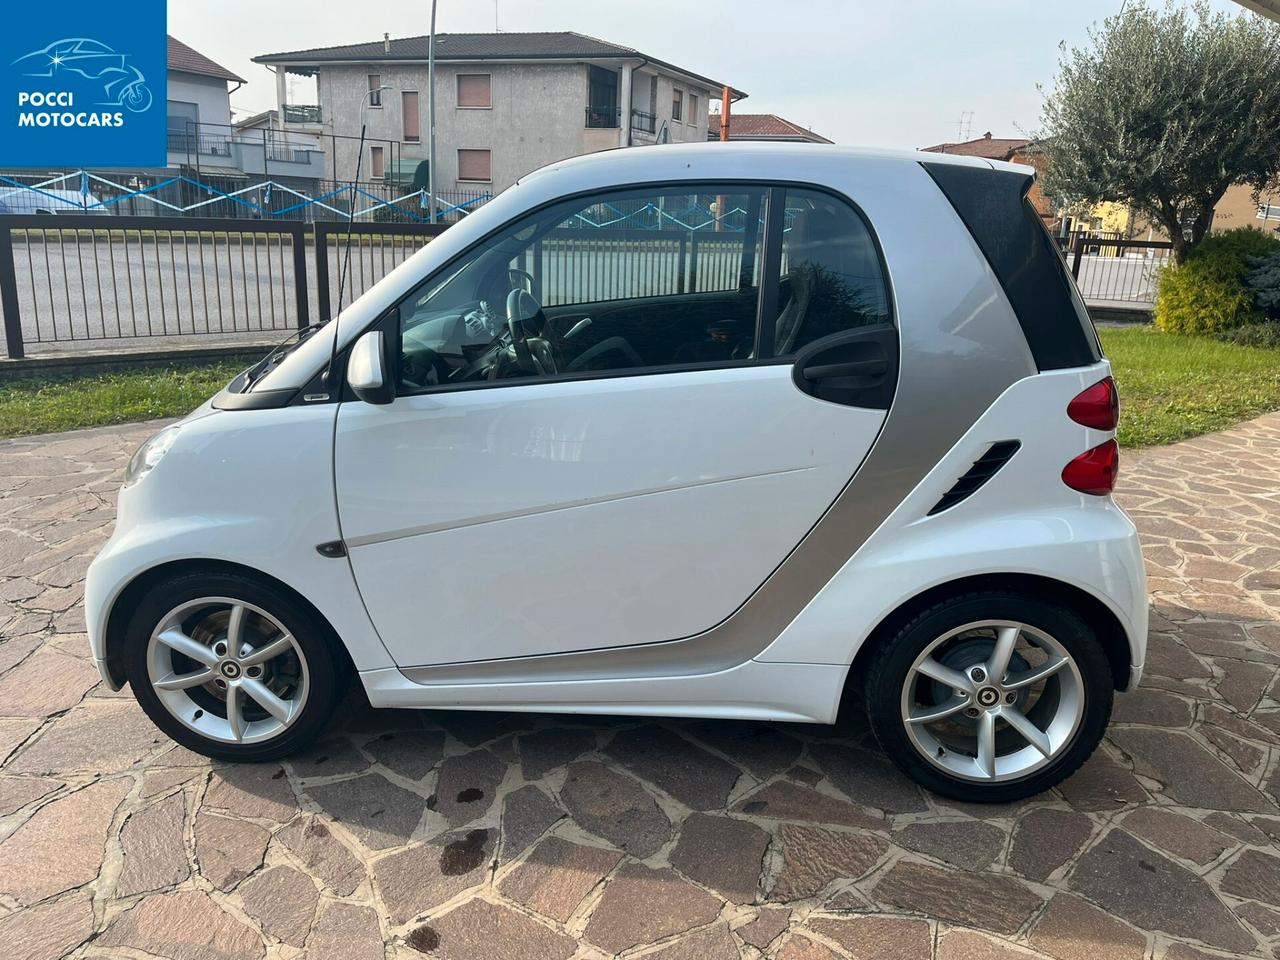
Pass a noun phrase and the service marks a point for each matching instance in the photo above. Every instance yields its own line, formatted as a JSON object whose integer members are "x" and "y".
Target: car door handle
{"x": 849, "y": 368}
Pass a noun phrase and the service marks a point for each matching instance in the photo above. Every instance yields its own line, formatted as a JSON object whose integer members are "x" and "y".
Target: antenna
{"x": 496, "y": 27}
{"x": 964, "y": 129}
{"x": 330, "y": 381}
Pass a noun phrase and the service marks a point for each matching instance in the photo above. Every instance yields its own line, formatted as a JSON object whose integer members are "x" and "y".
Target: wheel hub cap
{"x": 992, "y": 700}
{"x": 228, "y": 670}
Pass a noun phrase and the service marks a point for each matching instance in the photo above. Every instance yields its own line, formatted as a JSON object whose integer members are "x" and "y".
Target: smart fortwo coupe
{"x": 709, "y": 431}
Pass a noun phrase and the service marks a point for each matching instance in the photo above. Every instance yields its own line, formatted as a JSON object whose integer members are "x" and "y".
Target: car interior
{"x": 608, "y": 300}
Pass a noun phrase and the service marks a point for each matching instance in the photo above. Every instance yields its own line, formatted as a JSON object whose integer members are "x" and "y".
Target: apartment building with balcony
{"x": 204, "y": 144}
{"x": 506, "y": 103}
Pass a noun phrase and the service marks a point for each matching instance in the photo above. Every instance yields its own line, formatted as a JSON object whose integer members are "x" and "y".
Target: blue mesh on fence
{"x": 76, "y": 192}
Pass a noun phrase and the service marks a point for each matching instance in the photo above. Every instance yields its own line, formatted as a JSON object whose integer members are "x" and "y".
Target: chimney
{"x": 386, "y": 48}
{"x": 987, "y": 135}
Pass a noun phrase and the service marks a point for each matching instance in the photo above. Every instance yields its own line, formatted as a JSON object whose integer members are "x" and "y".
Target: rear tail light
{"x": 1094, "y": 471}
{"x": 1097, "y": 407}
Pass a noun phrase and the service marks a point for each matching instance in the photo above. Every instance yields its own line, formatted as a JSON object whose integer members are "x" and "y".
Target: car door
{"x": 589, "y": 447}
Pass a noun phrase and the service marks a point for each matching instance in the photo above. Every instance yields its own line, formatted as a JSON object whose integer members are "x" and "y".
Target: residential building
{"x": 506, "y": 103}
{"x": 262, "y": 145}
{"x": 1242, "y": 206}
{"x": 768, "y": 127}
{"x": 199, "y": 111}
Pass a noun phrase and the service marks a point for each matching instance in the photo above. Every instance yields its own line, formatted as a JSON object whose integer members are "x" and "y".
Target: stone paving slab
{"x": 485, "y": 836}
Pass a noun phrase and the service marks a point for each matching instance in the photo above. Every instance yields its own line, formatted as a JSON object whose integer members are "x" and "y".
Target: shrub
{"x": 1263, "y": 280}
{"x": 1207, "y": 293}
{"x": 1254, "y": 335}
{"x": 1239, "y": 243}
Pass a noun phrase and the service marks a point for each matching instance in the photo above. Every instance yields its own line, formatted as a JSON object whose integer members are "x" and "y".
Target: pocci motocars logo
{"x": 85, "y": 101}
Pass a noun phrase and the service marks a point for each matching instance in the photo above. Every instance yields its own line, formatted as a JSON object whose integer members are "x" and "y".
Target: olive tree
{"x": 1163, "y": 110}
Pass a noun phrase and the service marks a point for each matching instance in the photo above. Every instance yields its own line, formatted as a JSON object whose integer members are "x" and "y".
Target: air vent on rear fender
{"x": 983, "y": 469}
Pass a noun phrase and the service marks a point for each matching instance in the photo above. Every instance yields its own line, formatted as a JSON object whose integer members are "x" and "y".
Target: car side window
{"x": 660, "y": 278}
{"x": 831, "y": 278}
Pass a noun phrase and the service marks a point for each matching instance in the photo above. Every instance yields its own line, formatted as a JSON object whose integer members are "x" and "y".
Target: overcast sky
{"x": 888, "y": 74}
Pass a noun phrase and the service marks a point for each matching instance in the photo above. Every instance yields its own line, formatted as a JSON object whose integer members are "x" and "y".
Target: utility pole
{"x": 431, "y": 118}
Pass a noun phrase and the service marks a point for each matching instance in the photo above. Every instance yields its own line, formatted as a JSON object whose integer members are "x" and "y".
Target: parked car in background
{"x": 46, "y": 200}
{"x": 743, "y": 431}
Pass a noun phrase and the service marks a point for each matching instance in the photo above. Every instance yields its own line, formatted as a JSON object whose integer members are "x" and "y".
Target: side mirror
{"x": 366, "y": 370}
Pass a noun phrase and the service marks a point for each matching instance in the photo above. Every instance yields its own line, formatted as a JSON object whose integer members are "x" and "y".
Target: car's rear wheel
{"x": 990, "y": 696}
{"x": 230, "y": 667}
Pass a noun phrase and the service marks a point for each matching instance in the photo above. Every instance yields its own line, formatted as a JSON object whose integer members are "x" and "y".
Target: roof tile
{"x": 186, "y": 60}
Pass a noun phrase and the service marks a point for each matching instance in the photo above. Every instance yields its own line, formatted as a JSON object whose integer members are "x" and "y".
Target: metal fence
{"x": 1110, "y": 268}
{"x": 576, "y": 266}
{"x": 277, "y": 197}
{"x": 374, "y": 251}
{"x": 73, "y": 279}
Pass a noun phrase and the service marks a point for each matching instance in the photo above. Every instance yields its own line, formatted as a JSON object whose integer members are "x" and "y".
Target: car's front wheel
{"x": 231, "y": 667}
{"x": 990, "y": 696}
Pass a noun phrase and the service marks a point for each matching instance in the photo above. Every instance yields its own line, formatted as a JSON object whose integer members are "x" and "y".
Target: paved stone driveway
{"x": 498, "y": 837}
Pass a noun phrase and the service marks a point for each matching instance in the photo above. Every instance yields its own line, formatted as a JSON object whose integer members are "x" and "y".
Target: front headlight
{"x": 149, "y": 454}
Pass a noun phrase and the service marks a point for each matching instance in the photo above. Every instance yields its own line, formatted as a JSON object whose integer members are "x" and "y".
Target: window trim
{"x": 771, "y": 260}
{"x": 457, "y": 88}
{"x": 458, "y": 160}
{"x": 377, "y": 150}
{"x": 418, "y": 107}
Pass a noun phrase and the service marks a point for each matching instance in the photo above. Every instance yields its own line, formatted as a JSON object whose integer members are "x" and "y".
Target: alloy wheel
{"x": 992, "y": 700}
{"x": 228, "y": 670}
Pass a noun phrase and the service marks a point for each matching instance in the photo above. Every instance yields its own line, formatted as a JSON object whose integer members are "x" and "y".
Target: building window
{"x": 375, "y": 95}
{"x": 602, "y": 97}
{"x": 377, "y": 164}
{"x": 677, "y": 105}
{"x": 412, "y": 121}
{"x": 474, "y": 165}
{"x": 473, "y": 91}
{"x": 693, "y": 109}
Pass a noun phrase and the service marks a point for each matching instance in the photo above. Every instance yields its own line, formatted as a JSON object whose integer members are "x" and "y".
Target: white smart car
{"x": 719, "y": 430}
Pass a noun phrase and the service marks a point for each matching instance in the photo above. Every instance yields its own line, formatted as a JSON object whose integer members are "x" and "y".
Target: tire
{"x": 1080, "y": 692}
{"x": 306, "y": 677}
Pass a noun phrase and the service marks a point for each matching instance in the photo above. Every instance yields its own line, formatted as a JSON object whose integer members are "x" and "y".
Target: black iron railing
{"x": 645, "y": 122}
{"x": 74, "y": 278}
{"x": 1111, "y": 268}
{"x": 603, "y": 117}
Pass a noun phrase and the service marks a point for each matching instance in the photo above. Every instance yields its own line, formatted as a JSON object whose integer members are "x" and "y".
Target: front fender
{"x": 252, "y": 488}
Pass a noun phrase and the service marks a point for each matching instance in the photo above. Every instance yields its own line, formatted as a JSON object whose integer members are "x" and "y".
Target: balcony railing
{"x": 605, "y": 117}
{"x": 644, "y": 122}
{"x": 301, "y": 113}
{"x": 204, "y": 144}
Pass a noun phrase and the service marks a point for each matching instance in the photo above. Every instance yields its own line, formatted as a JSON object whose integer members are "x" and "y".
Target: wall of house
{"x": 691, "y": 128}
{"x": 208, "y": 93}
{"x": 538, "y": 115}
{"x": 1239, "y": 208}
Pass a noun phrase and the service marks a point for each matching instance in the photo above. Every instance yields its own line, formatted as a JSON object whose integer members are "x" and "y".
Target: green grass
{"x": 1173, "y": 387}
{"x": 45, "y": 406}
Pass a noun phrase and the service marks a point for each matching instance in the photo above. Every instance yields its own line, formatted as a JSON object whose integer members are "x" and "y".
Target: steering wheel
{"x": 524, "y": 314}
{"x": 525, "y": 323}
{"x": 518, "y": 279}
